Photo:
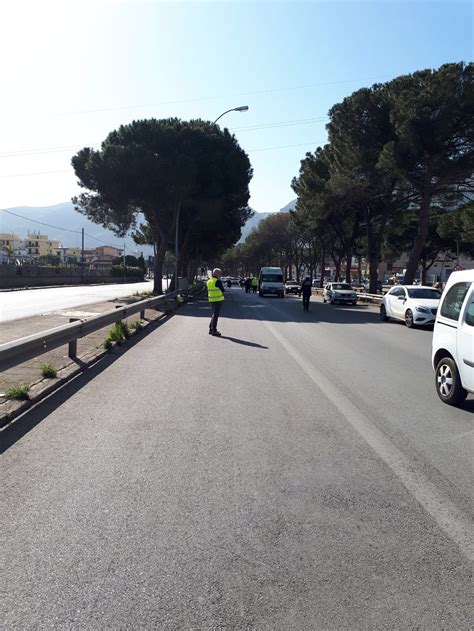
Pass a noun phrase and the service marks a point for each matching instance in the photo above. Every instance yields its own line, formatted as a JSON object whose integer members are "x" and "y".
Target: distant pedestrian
{"x": 306, "y": 291}
{"x": 254, "y": 284}
{"x": 215, "y": 292}
{"x": 247, "y": 285}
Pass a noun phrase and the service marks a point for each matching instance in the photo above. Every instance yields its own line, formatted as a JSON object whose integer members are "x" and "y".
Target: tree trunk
{"x": 423, "y": 270}
{"x": 337, "y": 268}
{"x": 323, "y": 266}
{"x": 158, "y": 268}
{"x": 348, "y": 264}
{"x": 419, "y": 243}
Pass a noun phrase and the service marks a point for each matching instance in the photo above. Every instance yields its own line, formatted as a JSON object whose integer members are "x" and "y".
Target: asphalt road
{"x": 23, "y": 303}
{"x": 297, "y": 473}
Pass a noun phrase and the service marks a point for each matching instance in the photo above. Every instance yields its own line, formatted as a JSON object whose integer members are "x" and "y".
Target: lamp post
{"x": 241, "y": 108}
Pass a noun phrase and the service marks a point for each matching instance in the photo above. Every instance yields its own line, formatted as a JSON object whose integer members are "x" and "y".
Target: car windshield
{"x": 343, "y": 286}
{"x": 291, "y": 282}
{"x": 272, "y": 278}
{"x": 424, "y": 293}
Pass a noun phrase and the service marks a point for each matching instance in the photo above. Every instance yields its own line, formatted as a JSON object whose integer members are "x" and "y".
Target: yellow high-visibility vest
{"x": 213, "y": 292}
{"x": 254, "y": 282}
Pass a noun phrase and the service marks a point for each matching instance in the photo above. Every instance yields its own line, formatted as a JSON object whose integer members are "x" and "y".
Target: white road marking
{"x": 448, "y": 517}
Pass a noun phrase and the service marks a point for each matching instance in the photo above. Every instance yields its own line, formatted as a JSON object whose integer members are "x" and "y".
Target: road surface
{"x": 297, "y": 473}
{"x": 30, "y": 302}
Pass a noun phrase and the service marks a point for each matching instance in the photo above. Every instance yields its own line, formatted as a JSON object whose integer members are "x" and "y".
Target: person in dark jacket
{"x": 306, "y": 291}
{"x": 247, "y": 285}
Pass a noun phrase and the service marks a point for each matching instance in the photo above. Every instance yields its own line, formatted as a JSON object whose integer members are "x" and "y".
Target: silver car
{"x": 341, "y": 293}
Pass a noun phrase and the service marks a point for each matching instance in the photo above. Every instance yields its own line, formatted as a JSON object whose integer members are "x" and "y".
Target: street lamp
{"x": 241, "y": 108}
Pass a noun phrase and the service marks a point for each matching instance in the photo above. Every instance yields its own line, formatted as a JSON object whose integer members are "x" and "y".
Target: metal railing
{"x": 21, "y": 350}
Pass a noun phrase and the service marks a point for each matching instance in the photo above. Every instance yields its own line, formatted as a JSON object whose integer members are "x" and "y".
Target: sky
{"x": 73, "y": 71}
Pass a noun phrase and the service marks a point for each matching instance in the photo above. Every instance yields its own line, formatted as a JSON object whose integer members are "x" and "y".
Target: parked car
{"x": 317, "y": 281}
{"x": 339, "y": 293}
{"x": 292, "y": 287}
{"x": 235, "y": 281}
{"x": 453, "y": 339}
{"x": 416, "y": 305}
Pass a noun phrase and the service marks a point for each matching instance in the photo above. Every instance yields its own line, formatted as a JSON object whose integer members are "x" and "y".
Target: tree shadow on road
{"x": 240, "y": 306}
{"x": 34, "y": 415}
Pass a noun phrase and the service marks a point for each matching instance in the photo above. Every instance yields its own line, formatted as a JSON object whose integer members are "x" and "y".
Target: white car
{"x": 414, "y": 304}
{"x": 339, "y": 292}
{"x": 453, "y": 339}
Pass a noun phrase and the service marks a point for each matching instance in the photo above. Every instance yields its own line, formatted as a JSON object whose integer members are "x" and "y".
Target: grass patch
{"x": 144, "y": 294}
{"x": 118, "y": 333}
{"x": 20, "y": 393}
{"x": 49, "y": 371}
{"x": 136, "y": 325}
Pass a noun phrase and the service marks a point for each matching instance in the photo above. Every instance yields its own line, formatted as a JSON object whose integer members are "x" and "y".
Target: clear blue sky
{"x": 71, "y": 72}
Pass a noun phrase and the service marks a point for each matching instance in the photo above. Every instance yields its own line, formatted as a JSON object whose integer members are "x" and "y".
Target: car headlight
{"x": 422, "y": 309}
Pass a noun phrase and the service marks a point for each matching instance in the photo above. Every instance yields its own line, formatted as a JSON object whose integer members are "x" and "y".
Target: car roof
{"x": 466, "y": 275}
{"x": 415, "y": 287}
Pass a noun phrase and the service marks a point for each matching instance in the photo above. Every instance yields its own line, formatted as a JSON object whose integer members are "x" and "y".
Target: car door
{"x": 465, "y": 341}
{"x": 327, "y": 292}
{"x": 397, "y": 304}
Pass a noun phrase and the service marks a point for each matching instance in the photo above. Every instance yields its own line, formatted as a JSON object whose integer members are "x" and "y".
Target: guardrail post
{"x": 142, "y": 314}
{"x": 72, "y": 346}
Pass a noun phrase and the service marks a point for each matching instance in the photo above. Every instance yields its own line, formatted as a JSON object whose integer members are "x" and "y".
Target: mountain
{"x": 258, "y": 217}
{"x": 61, "y": 220}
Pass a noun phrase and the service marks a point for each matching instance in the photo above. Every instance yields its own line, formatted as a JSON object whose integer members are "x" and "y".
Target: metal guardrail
{"x": 21, "y": 350}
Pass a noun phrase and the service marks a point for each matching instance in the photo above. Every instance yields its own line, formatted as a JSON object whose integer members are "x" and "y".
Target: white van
{"x": 453, "y": 339}
{"x": 270, "y": 281}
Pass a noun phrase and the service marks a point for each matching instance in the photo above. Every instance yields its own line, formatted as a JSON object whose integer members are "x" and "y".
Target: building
{"x": 70, "y": 255}
{"x": 39, "y": 245}
{"x": 101, "y": 257}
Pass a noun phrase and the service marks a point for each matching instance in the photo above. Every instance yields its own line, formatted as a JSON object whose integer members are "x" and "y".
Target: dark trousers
{"x": 305, "y": 302}
{"x": 216, "y": 309}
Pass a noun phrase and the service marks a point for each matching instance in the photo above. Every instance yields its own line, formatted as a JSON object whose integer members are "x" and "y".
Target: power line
{"x": 42, "y": 223}
{"x": 302, "y": 144}
{"x": 211, "y": 98}
{"x": 48, "y": 225}
{"x": 289, "y": 123}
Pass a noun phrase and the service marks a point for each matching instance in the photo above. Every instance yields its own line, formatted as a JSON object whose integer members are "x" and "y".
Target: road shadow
{"x": 34, "y": 415}
{"x": 243, "y": 342}
{"x": 241, "y": 306}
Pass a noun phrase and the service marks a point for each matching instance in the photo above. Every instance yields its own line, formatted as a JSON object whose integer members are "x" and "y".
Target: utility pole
{"x": 124, "y": 262}
{"x": 82, "y": 258}
{"x": 176, "y": 253}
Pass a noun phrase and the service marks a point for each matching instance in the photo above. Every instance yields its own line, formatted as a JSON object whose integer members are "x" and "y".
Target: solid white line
{"x": 448, "y": 517}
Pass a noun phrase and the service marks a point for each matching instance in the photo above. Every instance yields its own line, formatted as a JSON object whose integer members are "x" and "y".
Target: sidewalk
{"x": 30, "y": 371}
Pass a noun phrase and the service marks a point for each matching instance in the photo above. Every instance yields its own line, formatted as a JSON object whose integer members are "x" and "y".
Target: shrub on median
{"x": 20, "y": 393}
{"x": 49, "y": 371}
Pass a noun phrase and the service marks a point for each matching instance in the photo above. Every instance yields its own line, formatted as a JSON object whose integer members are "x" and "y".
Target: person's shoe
{"x": 216, "y": 333}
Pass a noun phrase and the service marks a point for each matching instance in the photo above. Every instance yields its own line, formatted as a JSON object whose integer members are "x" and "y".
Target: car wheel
{"x": 383, "y": 314}
{"x": 324, "y": 300}
{"x": 354, "y": 302}
{"x": 448, "y": 382}
{"x": 409, "y": 319}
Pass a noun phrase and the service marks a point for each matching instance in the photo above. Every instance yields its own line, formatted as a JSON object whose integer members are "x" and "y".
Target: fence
{"x": 18, "y": 351}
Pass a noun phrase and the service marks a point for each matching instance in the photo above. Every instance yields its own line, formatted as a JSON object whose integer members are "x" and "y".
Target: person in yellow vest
{"x": 215, "y": 292}
{"x": 254, "y": 284}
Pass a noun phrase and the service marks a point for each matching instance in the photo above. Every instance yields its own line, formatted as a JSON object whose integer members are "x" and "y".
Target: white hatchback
{"x": 416, "y": 305}
{"x": 453, "y": 339}
{"x": 339, "y": 292}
